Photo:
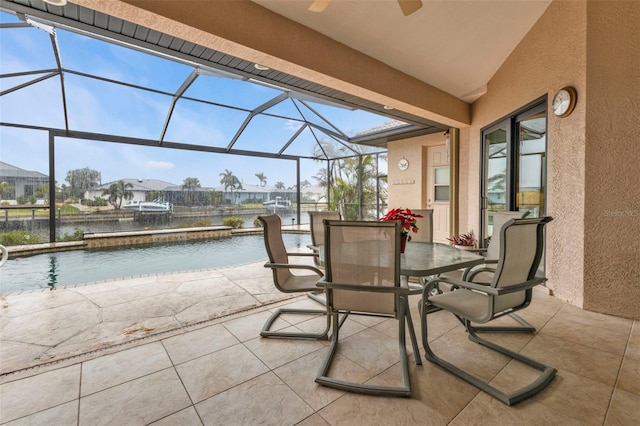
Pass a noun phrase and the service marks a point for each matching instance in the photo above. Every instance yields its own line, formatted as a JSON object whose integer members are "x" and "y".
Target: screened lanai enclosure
{"x": 101, "y": 118}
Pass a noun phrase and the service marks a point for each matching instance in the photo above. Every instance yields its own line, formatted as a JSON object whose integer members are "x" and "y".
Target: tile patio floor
{"x": 184, "y": 349}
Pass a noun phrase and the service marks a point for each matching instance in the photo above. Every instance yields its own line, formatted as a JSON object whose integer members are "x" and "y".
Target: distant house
{"x": 141, "y": 189}
{"x": 21, "y": 182}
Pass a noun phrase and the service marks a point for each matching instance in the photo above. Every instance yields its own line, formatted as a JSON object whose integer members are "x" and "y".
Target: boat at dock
{"x": 149, "y": 206}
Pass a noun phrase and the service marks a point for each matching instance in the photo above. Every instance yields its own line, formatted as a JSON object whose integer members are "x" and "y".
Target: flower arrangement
{"x": 465, "y": 240}
{"x": 406, "y": 218}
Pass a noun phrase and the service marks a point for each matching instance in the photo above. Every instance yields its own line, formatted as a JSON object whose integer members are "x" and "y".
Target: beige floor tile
{"x": 594, "y": 319}
{"x": 111, "y": 370}
{"x": 582, "y": 360}
{"x": 117, "y": 296}
{"x": 277, "y": 352}
{"x": 138, "y": 402}
{"x": 576, "y": 396}
{"x": 214, "y": 373}
{"x": 248, "y": 327}
{"x": 629, "y": 377}
{"x": 194, "y": 344}
{"x": 595, "y": 336}
{"x": 456, "y": 348}
{"x": 633, "y": 348}
{"x": 314, "y": 420}
{"x": 31, "y": 395}
{"x": 64, "y": 414}
{"x": 365, "y": 410}
{"x": 264, "y": 400}
{"x": 371, "y": 350}
{"x": 300, "y": 376}
{"x": 438, "y": 389}
{"x": 624, "y": 410}
{"x": 485, "y": 410}
{"x": 186, "y": 417}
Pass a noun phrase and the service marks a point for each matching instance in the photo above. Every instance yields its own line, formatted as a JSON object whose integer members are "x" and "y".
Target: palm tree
{"x": 117, "y": 192}
{"x": 280, "y": 185}
{"x": 190, "y": 185}
{"x": 229, "y": 180}
{"x": 262, "y": 178}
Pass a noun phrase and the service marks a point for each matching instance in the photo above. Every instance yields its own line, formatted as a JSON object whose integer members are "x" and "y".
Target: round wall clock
{"x": 564, "y": 101}
{"x": 403, "y": 164}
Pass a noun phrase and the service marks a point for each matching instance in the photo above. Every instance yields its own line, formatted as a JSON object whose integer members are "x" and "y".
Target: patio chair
{"x": 316, "y": 219}
{"x": 286, "y": 281}
{"x": 362, "y": 277}
{"x": 483, "y": 274}
{"x": 521, "y": 244}
{"x": 425, "y": 226}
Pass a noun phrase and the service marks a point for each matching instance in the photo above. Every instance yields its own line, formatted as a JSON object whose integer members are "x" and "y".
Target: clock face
{"x": 563, "y": 102}
{"x": 403, "y": 164}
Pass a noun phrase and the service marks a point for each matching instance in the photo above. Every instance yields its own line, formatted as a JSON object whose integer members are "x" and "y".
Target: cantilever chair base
{"x": 295, "y": 335}
{"x": 543, "y": 379}
{"x": 395, "y": 391}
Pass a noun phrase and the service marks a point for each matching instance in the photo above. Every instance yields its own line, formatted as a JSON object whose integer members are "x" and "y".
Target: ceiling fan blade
{"x": 319, "y": 5}
{"x": 409, "y": 6}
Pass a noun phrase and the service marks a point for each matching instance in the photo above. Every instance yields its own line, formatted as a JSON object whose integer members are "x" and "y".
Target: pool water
{"x": 67, "y": 268}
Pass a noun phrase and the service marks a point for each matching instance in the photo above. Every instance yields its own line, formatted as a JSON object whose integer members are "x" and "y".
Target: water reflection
{"x": 53, "y": 271}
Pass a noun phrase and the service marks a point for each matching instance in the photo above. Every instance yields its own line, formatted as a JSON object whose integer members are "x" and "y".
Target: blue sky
{"x": 102, "y": 107}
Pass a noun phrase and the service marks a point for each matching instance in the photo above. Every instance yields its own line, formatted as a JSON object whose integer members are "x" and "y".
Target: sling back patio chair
{"x": 316, "y": 220}
{"x": 425, "y": 226}
{"x": 483, "y": 274}
{"x": 288, "y": 282}
{"x": 362, "y": 277}
{"x": 521, "y": 245}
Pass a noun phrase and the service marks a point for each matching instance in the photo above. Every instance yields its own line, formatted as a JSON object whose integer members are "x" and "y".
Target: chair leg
{"x": 295, "y": 335}
{"x": 403, "y": 391}
{"x": 315, "y": 296}
{"x": 412, "y": 336}
{"x": 544, "y": 378}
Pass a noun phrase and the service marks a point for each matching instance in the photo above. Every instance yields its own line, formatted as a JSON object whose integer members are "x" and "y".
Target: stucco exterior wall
{"x": 612, "y": 158}
{"x": 593, "y": 155}
{"x": 407, "y": 188}
{"x": 551, "y": 56}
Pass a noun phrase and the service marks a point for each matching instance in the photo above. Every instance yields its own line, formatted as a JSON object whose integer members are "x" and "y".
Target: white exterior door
{"x": 438, "y": 190}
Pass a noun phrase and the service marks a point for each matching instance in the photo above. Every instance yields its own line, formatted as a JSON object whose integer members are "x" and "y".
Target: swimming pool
{"x": 83, "y": 266}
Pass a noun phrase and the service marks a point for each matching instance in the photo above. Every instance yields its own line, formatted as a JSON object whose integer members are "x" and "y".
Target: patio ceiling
{"x": 236, "y": 107}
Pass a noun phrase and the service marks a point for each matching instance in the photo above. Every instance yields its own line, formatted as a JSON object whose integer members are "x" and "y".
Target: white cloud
{"x": 292, "y": 125}
{"x": 160, "y": 164}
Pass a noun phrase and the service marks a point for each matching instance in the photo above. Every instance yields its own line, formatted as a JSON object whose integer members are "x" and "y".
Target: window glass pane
{"x": 441, "y": 193}
{"x": 442, "y": 175}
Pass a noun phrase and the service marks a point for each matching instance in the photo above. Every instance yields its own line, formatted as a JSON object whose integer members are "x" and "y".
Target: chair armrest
{"x": 470, "y": 273}
{"x": 293, "y": 266}
{"x": 492, "y": 291}
{"x": 302, "y": 254}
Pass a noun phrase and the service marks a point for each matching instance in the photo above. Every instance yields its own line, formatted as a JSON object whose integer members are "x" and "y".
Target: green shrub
{"x": 234, "y": 222}
{"x": 26, "y": 199}
{"x": 19, "y": 237}
{"x": 198, "y": 224}
{"x": 78, "y": 235}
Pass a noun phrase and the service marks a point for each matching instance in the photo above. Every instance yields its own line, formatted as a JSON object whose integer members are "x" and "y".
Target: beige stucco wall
{"x": 612, "y": 159}
{"x": 408, "y": 188}
{"x": 593, "y": 157}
